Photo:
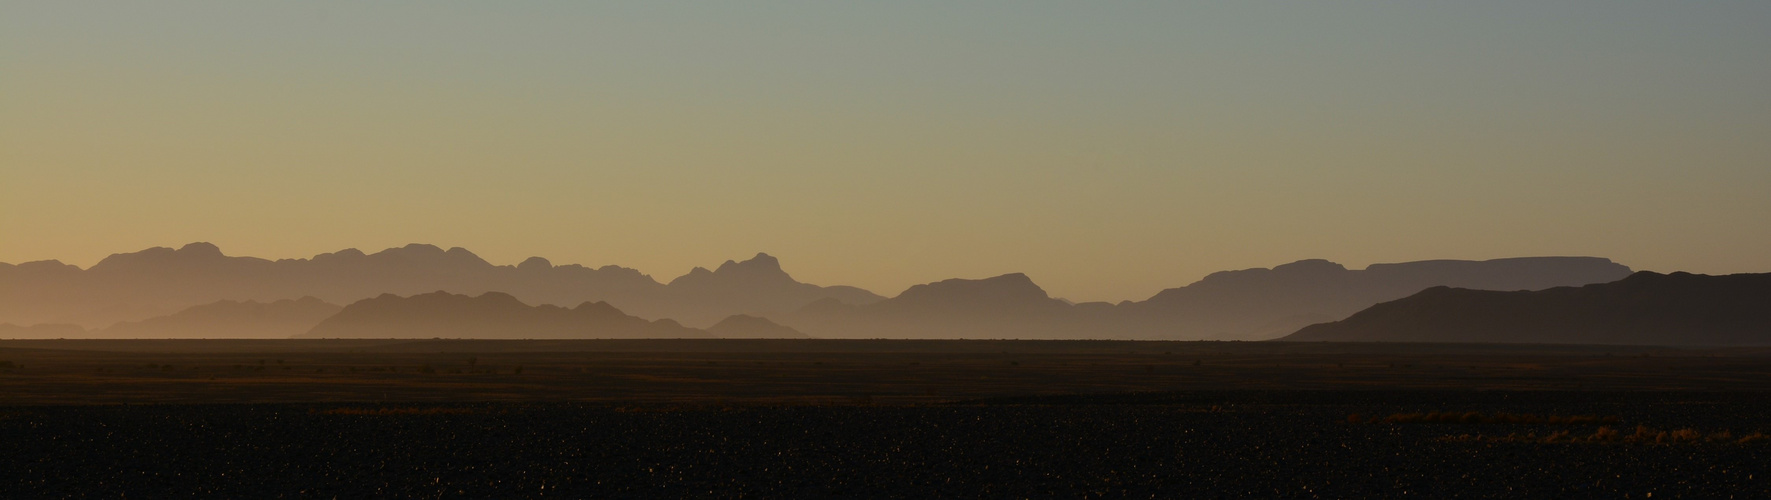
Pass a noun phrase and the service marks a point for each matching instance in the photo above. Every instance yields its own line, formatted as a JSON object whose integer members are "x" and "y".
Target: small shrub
{"x": 1498, "y": 418}
{"x": 395, "y": 411}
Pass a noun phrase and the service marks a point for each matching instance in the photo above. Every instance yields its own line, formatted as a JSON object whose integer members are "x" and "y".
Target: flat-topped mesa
{"x": 1008, "y": 292}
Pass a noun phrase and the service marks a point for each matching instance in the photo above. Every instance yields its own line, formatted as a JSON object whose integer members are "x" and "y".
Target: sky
{"x": 1108, "y": 150}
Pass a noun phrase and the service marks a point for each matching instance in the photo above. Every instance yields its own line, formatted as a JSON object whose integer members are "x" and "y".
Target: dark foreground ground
{"x": 1169, "y": 420}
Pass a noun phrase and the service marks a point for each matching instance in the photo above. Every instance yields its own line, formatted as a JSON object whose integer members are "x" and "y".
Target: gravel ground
{"x": 1229, "y": 444}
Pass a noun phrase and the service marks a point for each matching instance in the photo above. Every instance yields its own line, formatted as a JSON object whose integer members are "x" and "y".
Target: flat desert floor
{"x": 879, "y": 418}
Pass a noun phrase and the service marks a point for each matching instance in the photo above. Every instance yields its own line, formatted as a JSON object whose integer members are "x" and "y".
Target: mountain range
{"x": 198, "y": 291}
{"x": 491, "y": 315}
{"x": 1646, "y": 308}
{"x": 230, "y": 319}
{"x": 160, "y": 281}
{"x": 1251, "y": 304}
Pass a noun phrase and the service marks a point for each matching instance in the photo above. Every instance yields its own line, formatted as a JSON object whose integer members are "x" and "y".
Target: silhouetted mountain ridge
{"x": 744, "y": 326}
{"x": 1645, "y": 308}
{"x": 1247, "y": 304}
{"x": 491, "y": 315}
{"x": 1266, "y": 303}
{"x": 160, "y": 281}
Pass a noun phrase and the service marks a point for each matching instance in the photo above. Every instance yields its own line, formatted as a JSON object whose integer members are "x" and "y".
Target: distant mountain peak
{"x": 747, "y": 326}
{"x": 762, "y": 263}
{"x": 1009, "y": 287}
{"x": 200, "y": 249}
{"x": 411, "y": 249}
{"x": 535, "y": 264}
{"x": 761, "y": 269}
{"x": 1310, "y": 266}
{"x": 191, "y": 253}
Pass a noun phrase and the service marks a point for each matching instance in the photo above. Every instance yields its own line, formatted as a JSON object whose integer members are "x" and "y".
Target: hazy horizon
{"x": 1108, "y": 151}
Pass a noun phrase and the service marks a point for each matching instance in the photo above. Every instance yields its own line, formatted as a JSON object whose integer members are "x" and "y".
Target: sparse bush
{"x": 1498, "y": 418}
{"x": 395, "y": 411}
{"x": 6, "y": 365}
{"x": 1642, "y": 435}
{"x": 1605, "y": 434}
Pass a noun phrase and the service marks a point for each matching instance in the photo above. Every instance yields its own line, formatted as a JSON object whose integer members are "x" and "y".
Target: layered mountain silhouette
{"x": 1250, "y": 304}
{"x": 744, "y": 326}
{"x": 1007, "y": 306}
{"x": 490, "y": 315}
{"x": 1257, "y": 304}
{"x": 230, "y": 319}
{"x": 1645, "y": 308}
{"x": 160, "y": 281}
{"x": 755, "y": 286}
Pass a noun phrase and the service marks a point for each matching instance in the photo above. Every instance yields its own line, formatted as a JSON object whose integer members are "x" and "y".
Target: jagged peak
{"x": 761, "y": 263}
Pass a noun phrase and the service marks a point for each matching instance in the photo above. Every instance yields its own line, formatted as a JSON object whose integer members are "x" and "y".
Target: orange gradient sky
{"x": 1107, "y": 151}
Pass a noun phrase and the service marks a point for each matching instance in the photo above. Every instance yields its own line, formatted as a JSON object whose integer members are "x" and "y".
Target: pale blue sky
{"x": 1108, "y": 151}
